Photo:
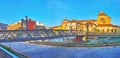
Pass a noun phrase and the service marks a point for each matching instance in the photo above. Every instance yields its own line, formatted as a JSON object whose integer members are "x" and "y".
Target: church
{"x": 101, "y": 24}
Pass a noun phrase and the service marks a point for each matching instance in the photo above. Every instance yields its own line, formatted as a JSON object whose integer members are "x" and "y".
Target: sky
{"x": 52, "y": 12}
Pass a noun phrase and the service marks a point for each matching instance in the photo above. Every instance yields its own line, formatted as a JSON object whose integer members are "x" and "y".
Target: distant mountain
{"x": 3, "y": 26}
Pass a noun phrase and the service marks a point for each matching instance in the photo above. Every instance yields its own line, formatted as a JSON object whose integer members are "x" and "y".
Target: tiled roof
{"x": 101, "y": 13}
{"x": 65, "y": 19}
{"x": 73, "y": 21}
{"x": 86, "y": 20}
{"x": 107, "y": 25}
{"x": 55, "y": 26}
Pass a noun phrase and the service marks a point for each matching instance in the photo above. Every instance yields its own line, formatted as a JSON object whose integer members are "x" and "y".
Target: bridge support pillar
{"x": 85, "y": 38}
{"x": 78, "y": 39}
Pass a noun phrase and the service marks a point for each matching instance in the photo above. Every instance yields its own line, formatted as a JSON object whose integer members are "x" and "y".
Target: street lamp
{"x": 87, "y": 30}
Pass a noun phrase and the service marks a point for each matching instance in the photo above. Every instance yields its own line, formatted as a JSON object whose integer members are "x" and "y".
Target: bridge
{"x": 26, "y": 35}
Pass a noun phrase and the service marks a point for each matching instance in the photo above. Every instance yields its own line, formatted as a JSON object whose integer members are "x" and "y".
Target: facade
{"x": 102, "y": 24}
{"x": 81, "y": 24}
{"x": 77, "y": 25}
{"x": 40, "y": 26}
{"x": 26, "y": 24}
{"x": 15, "y": 26}
{"x": 31, "y": 25}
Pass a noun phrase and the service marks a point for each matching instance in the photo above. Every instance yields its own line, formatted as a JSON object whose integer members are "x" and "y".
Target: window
{"x": 98, "y": 30}
{"x": 103, "y": 22}
{"x": 112, "y": 30}
{"x": 102, "y": 19}
{"x": 115, "y": 30}
{"x": 107, "y": 30}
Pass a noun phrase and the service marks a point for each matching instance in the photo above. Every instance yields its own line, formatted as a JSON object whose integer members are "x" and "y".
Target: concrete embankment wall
{"x": 6, "y": 54}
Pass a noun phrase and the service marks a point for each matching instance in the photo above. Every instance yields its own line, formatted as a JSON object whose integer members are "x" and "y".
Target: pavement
{"x": 45, "y": 51}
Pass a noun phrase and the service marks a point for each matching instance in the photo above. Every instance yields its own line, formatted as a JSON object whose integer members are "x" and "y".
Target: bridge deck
{"x": 26, "y": 35}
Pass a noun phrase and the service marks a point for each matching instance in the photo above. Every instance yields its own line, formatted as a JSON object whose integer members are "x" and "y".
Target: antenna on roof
{"x": 26, "y": 17}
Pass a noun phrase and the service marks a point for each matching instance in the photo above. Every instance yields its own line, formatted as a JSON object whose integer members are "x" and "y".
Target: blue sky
{"x": 52, "y": 12}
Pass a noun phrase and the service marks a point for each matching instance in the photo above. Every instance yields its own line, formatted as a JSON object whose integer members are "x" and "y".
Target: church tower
{"x": 103, "y": 18}
{"x": 64, "y": 24}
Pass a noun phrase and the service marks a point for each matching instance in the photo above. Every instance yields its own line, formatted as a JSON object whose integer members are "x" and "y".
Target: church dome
{"x": 65, "y": 19}
{"x": 102, "y": 13}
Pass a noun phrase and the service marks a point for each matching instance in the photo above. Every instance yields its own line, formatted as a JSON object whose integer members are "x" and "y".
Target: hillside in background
{"x": 3, "y": 26}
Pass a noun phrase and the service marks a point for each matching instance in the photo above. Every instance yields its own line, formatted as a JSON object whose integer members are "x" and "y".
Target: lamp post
{"x": 22, "y": 24}
{"x": 87, "y": 30}
{"x": 87, "y": 27}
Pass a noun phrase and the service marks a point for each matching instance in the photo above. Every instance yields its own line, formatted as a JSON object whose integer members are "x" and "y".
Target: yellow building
{"x": 76, "y": 25}
{"x": 102, "y": 24}
{"x": 15, "y": 26}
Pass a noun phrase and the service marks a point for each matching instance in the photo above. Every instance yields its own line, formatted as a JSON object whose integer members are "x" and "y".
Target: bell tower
{"x": 103, "y": 18}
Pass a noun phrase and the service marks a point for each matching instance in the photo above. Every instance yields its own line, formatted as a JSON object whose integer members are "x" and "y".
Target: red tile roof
{"x": 107, "y": 25}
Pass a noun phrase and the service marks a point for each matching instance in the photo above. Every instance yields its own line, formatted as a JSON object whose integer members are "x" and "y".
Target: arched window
{"x": 111, "y": 30}
{"x": 102, "y": 19}
{"x": 103, "y": 22}
{"x": 66, "y": 24}
{"x": 115, "y": 30}
{"x": 107, "y": 30}
{"x": 18, "y": 23}
{"x": 98, "y": 30}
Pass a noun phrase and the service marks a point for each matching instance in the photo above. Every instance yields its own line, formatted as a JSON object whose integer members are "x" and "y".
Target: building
{"x": 24, "y": 24}
{"x": 40, "y": 26}
{"x": 76, "y": 25}
{"x": 31, "y": 25}
{"x": 15, "y": 26}
{"x": 104, "y": 23}
{"x": 101, "y": 24}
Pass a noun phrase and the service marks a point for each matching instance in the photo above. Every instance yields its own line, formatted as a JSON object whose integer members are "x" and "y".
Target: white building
{"x": 40, "y": 25}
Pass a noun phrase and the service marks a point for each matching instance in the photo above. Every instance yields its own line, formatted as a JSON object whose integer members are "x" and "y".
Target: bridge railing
{"x": 36, "y": 34}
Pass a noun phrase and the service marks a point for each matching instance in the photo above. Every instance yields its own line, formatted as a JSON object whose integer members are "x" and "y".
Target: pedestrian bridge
{"x": 26, "y": 35}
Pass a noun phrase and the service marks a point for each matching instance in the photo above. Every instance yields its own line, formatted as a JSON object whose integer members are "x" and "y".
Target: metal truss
{"x": 26, "y": 35}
